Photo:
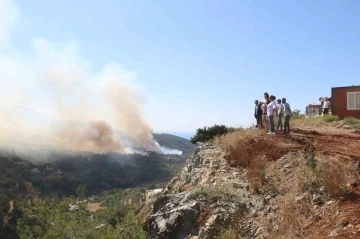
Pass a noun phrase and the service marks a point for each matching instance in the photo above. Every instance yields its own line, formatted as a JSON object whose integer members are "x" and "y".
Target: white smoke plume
{"x": 51, "y": 96}
{"x": 166, "y": 150}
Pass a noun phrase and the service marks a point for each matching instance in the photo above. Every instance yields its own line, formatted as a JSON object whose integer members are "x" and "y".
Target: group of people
{"x": 266, "y": 110}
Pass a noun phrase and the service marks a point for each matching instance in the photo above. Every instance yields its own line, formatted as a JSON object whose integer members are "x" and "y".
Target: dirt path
{"x": 340, "y": 219}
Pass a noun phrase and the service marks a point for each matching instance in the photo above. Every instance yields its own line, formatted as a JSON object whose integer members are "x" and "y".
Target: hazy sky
{"x": 200, "y": 62}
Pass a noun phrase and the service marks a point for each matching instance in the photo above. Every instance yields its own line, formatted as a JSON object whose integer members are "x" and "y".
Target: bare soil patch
{"x": 93, "y": 207}
{"x": 340, "y": 219}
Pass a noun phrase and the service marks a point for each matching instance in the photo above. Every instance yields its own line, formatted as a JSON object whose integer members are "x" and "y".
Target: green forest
{"x": 53, "y": 198}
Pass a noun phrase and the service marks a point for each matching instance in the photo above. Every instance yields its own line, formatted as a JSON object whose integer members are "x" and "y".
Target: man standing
{"x": 258, "y": 114}
{"x": 271, "y": 111}
{"x": 280, "y": 114}
{"x": 265, "y": 119}
{"x": 326, "y": 106}
{"x": 287, "y": 113}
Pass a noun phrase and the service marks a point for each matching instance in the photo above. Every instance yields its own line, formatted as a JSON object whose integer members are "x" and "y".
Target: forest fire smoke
{"x": 52, "y": 96}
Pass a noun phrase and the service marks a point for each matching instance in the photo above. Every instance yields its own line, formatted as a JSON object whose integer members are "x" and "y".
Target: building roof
{"x": 314, "y": 104}
{"x": 345, "y": 86}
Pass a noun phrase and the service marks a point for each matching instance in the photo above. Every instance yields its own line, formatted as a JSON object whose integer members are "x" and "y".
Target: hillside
{"x": 176, "y": 142}
{"x": 252, "y": 185}
{"x": 58, "y": 175}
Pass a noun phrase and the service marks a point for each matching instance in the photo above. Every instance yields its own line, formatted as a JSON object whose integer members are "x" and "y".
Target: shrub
{"x": 208, "y": 133}
{"x": 236, "y": 144}
{"x": 290, "y": 223}
{"x": 235, "y": 228}
{"x": 297, "y": 114}
{"x": 256, "y": 174}
{"x": 351, "y": 121}
{"x": 334, "y": 176}
{"x": 330, "y": 118}
{"x": 305, "y": 178}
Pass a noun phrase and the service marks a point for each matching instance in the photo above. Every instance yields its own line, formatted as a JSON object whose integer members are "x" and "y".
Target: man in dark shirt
{"x": 258, "y": 114}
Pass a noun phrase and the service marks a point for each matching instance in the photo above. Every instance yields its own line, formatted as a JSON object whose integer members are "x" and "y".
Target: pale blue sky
{"x": 205, "y": 62}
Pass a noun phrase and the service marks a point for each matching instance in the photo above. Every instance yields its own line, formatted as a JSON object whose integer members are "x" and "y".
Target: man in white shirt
{"x": 326, "y": 106}
{"x": 265, "y": 119}
{"x": 271, "y": 111}
{"x": 280, "y": 114}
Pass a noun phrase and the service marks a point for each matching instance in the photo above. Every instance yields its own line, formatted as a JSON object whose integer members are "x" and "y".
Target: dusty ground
{"x": 336, "y": 217}
{"x": 93, "y": 207}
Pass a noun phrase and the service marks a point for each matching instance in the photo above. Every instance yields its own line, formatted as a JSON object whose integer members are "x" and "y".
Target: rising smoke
{"x": 77, "y": 107}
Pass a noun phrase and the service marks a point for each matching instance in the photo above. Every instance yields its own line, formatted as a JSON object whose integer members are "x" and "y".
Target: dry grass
{"x": 305, "y": 178}
{"x": 144, "y": 212}
{"x": 334, "y": 176}
{"x": 204, "y": 215}
{"x": 290, "y": 223}
{"x": 327, "y": 120}
{"x": 234, "y": 144}
{"x": 317, "y": 121}
{"x": 186, "y": 187}
{"x": 291, "y": 218}
{"x": 234, "y": 229}
{"x": 256, "y": 174}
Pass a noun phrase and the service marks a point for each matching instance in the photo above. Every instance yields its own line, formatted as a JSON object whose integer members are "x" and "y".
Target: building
{"x": 313, "y": 109}
{"x": 346, "y": 101}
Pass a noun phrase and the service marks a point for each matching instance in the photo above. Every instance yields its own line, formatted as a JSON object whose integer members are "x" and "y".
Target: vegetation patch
{"x": 234, "y": 229}
{"x": 214, "y": 192}
{"x": 330, "y": 118}
{"x": 186, "y": 187}
{"x": 256, "y": 174}
{"x": 305, "y": 178}
{"x": 351, "y": 121}
{"x": 208, "y": 133}
{"x": 334, "y": 176}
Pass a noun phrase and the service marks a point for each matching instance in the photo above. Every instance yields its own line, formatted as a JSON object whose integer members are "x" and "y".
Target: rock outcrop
{"x": 302, "y": 185}
{"x": 203, "y": 201}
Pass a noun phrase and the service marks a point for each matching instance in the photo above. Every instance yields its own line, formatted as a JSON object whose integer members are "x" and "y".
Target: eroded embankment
{"x": 315, "y": 177}
{"x": 251, "y": 185}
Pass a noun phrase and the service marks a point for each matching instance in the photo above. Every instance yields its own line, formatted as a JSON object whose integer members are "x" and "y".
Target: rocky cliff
{"x": 203, "y": 200}
{"x": 303, "y": 185}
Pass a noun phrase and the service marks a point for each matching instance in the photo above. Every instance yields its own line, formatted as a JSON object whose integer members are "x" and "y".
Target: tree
{"x": 296, "y": 113}
{"x": 208, "y": 133}
{"x": 81, "y": 191}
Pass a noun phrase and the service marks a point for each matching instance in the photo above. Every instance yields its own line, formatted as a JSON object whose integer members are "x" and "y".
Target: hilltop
{"x": 252, "y": 185}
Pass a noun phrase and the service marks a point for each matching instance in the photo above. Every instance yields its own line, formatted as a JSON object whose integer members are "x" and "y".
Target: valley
{"x": 94, "y": 184}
